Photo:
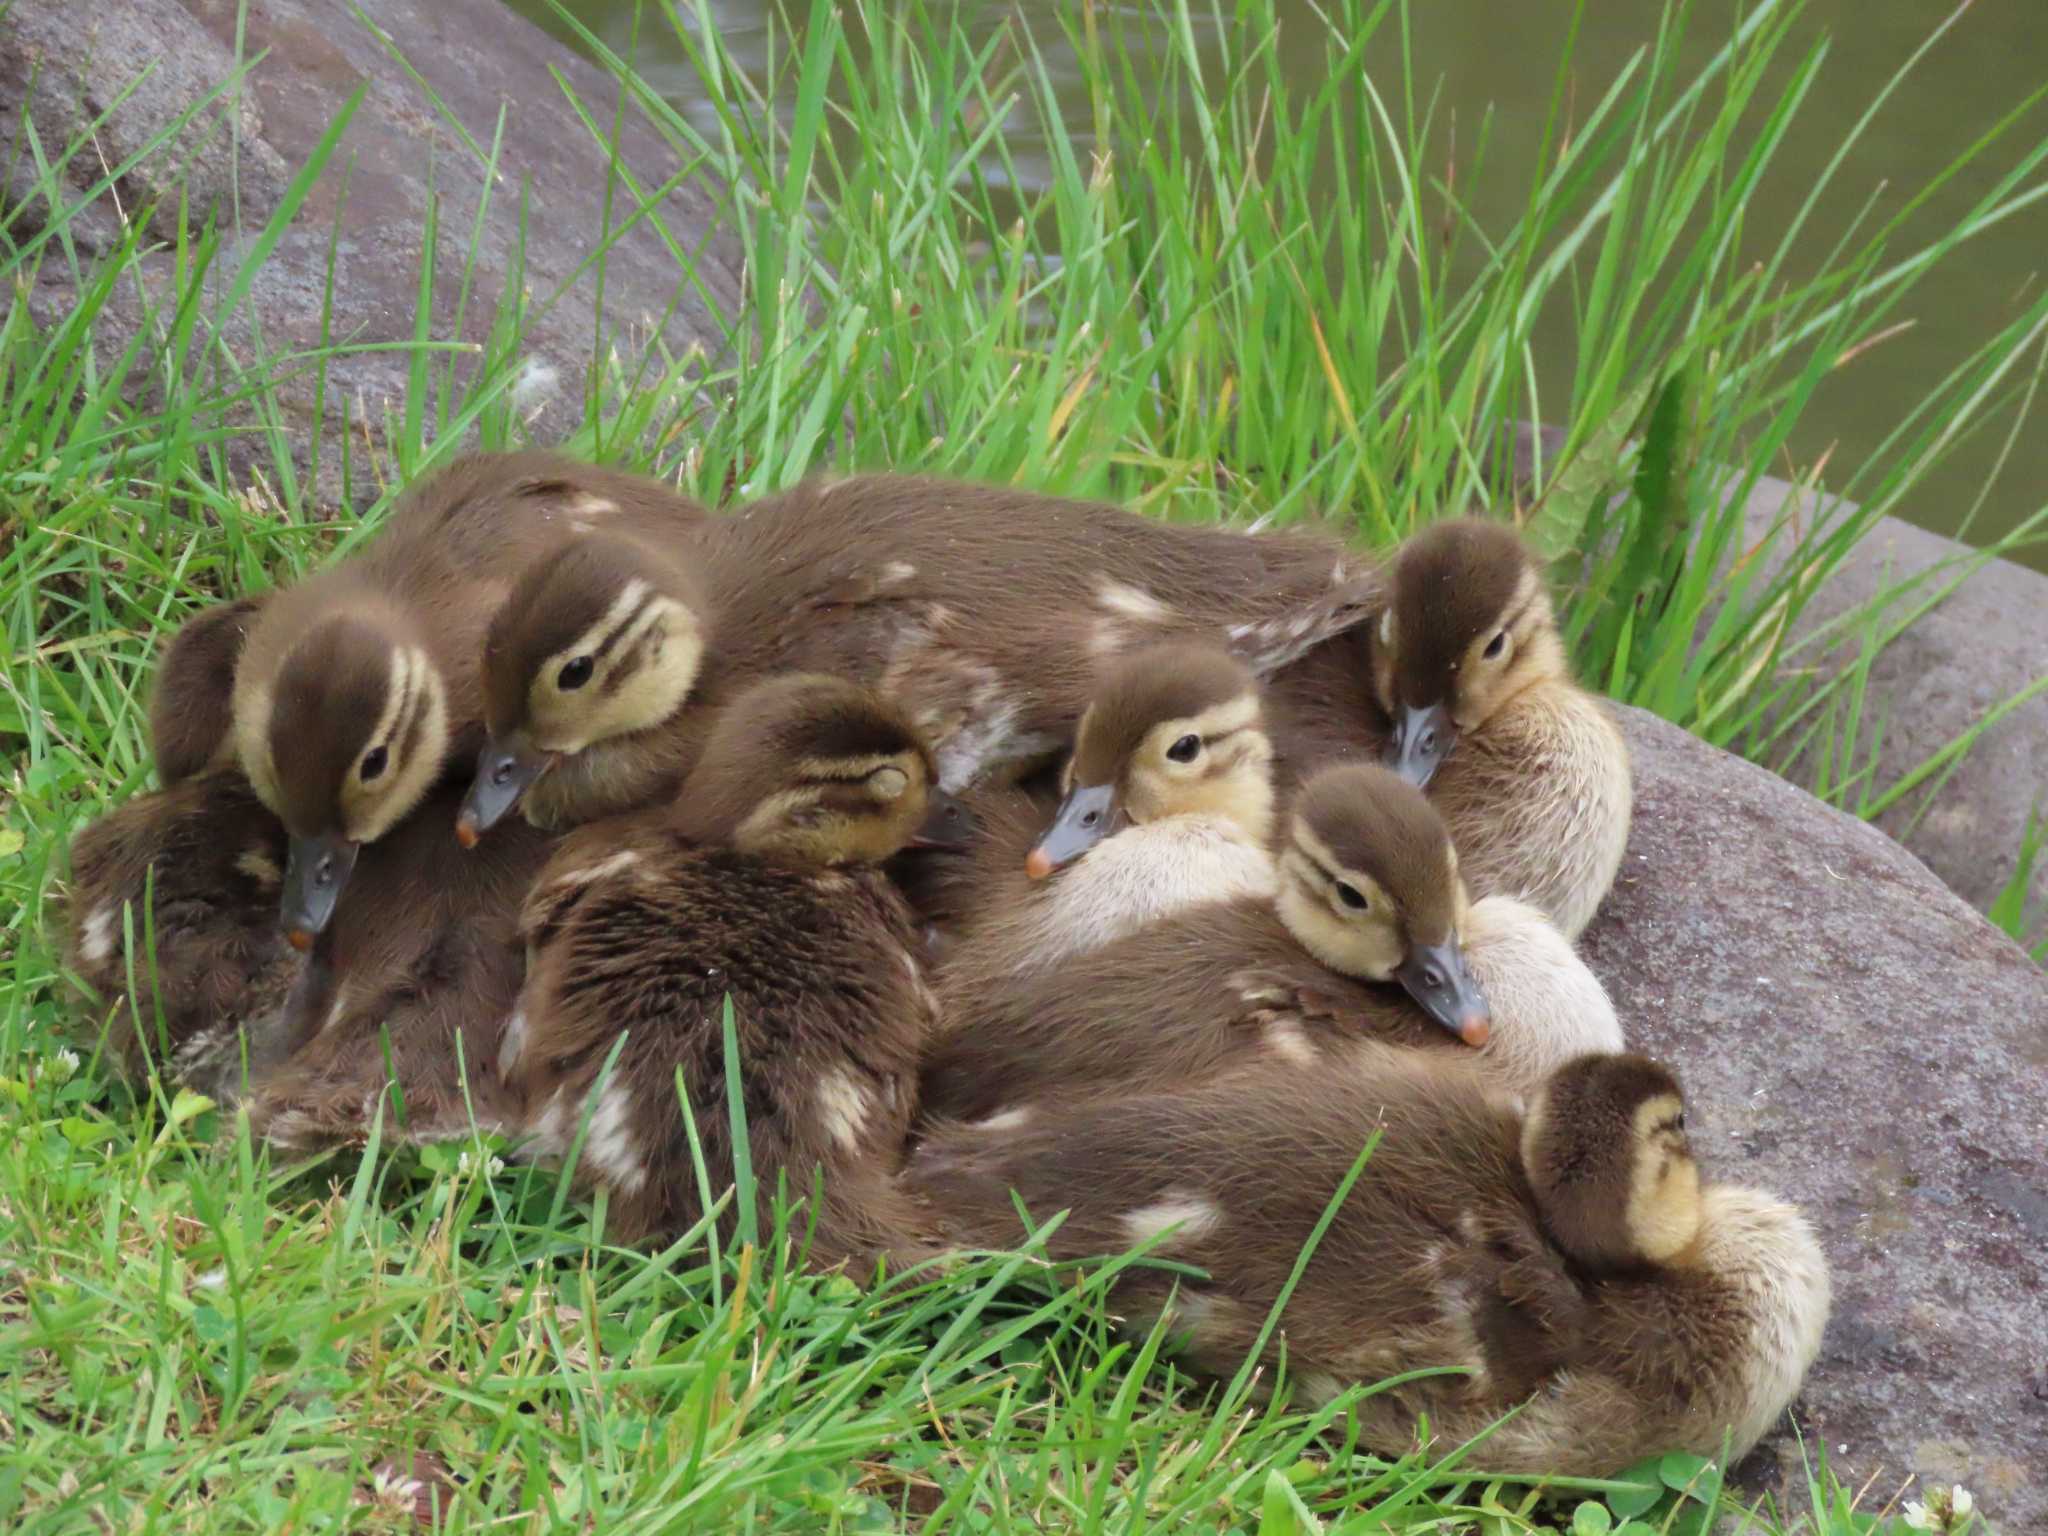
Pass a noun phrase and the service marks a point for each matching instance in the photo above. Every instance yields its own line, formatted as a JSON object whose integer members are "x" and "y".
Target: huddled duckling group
{"x": 1045, "y": 856}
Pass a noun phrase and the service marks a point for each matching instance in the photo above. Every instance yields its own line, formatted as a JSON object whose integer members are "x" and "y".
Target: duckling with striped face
{"x": 1368, "y": 937}
{"x": 760, "y": 886}
{"x": 1568, "y": 1261}
{"x": 355, "y": 689}
{"x": 986, "y": 613}
{"x": 1470, "y": 694}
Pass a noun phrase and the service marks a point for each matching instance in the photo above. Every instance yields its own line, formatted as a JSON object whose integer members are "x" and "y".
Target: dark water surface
{"x": 1503, "y": 54}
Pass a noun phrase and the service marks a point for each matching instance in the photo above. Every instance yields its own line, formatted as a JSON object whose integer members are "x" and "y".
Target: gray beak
{"x": 504, "y": 770}
{"x": 1435, "y": 975}
{"x": 1085, "y": 818}
{"x": 1423, "y": 738}
{"x": 314, "y": 873}
{"x": 947, "y": 824}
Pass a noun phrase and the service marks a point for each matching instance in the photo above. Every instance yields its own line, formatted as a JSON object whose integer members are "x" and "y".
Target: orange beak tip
{"x": 466, "y": 832}
{"x": 1038, "y": 865}
{"x": 299, "y": 938}
{"x": 1476, "y": 1031}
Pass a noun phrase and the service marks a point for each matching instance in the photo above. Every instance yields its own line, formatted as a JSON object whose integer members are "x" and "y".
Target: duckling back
{"x": 1439, "y": 1256}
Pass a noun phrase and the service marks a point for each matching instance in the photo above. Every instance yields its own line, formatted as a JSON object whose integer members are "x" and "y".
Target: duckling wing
{"x": 192, "y": 700}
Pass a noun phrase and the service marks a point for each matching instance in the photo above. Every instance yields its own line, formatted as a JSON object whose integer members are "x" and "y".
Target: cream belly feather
{"x": 1135, "y": 878}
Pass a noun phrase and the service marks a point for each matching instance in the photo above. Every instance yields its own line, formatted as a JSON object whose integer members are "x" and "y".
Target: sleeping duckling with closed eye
{"x": 344, "y": 697}
{"x": 193, "y": 871}
{"x": 760, "y": 885}
{"x": 1167, "y": 801}
{"x": 1471, "y": 695}
{"x": 1569, "y": 1260}
{"x": 1370, "y": 934}
{"x": 984, "y": 612}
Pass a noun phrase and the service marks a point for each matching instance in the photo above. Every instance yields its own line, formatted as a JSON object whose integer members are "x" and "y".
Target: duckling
{"x": 352, "y": 690}
{"x": 1368, "y": 894}
{"x": 196, "y": 868}
{"x": 413, "y": 980}
{"x": 1471, "y": 695}
{"x": 1171, "y": 756}
{"x": 1568, "y": 1260}
{"x": 983, "y": 611}
{"x": 759, "y": 886}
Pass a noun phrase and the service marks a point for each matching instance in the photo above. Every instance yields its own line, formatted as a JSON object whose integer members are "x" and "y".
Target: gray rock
{"x": 1987, "y": 641}
{"x": 1854, "y": 1037}
{"x": 62, "y": 62}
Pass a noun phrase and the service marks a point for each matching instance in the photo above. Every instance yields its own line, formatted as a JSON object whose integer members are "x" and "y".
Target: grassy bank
{"x": 1238, "y": 297}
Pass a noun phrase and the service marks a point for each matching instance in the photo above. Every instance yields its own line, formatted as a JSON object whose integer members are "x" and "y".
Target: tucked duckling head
{"x": 1605, "y": 1150}
{"x": 341, "y": 741}
{"x": 1174, "y": 730}
{"x": 1469, "y": 628}
{"x": 1369, "y": 885}
{"x": 599, "y": 639}
{"x": 817, "y": 771}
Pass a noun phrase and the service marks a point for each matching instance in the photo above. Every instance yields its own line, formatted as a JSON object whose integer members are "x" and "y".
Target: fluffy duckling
{"x": 1472, "y": 696}
{"x": 344, "y": 697}
{"x": 759, "y": 886}
{"x": 1570, "y": 1260}
{"x": 196, "y": 870}
{"x": 984, "y": 612}
{"x": 423, "y": 960}
{"x": 1370, "y": 934}
{"x": 1171, "y": 756}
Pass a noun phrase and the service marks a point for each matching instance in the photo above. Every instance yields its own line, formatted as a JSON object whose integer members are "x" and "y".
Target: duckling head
{"x": 1605, "y": 1150}
{"x": 1369, "y": 885}
{"x": 1468, "y": 629}
{"x": 341, "y": 743}
{"x": 598, "y": 639}
{"x": 1173, "y": 730}
{"x": 815, "y": 771}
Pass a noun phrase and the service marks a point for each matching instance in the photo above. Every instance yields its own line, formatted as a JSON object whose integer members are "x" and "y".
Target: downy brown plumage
{"x": 423, "y": 959}
{"x": 194, "y": 872}
{"x": 1569, "y": 1261}
{"x": 354, "y": 689}
{"x": 759, "y": 885}
{"x": 1369, "y": 935}
{"x": 1462, "y": 685}
{"x": 983, "y": 612}
{"x": 1167, "y": 802}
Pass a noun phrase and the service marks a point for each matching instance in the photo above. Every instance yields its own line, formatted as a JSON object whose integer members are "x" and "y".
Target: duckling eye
{"x": 1351, "y": 896}
{"x": 575, "y": 674}
{"x": 373, "y": 763}
{"x": 1186, "y": 749}
{"x": 1496, "y": 645}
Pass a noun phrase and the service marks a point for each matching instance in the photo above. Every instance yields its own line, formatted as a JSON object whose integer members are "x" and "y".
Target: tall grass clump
{"x": 1239, "y": 295}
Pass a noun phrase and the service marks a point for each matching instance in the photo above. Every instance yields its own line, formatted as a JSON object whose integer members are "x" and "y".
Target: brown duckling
{"x": 423, "y": 960}
{"x": 760, "y": 886}
{"x": 1370, "y": 934}
{"x": 1471, "y": 695}
{"x": 353, "y": 689}
{"x": 194, "y": 872}
{"x": 1569, "y": 1260}
{"x": 984, "y": 612}
{"x": 1171, "y": 756}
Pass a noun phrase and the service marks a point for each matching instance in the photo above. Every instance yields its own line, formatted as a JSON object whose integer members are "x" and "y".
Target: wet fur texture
{"x": 984, "y": 611}
{"x": 1439, "y": 1257}
{"x": 197, "y": 867}
{"x": 634, "y": 930}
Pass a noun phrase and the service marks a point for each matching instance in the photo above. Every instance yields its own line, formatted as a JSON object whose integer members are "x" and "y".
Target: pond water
{"x": 1504, "y": 55}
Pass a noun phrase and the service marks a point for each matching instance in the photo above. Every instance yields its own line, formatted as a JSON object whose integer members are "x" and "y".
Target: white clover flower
{"x": 1945, "y": 1510}
{"x": 1917, "y": 1517}
{"x": 62, "y": 1066}
{"x": 1960, "y": 1503}
{"x": 490, "y": 1166}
